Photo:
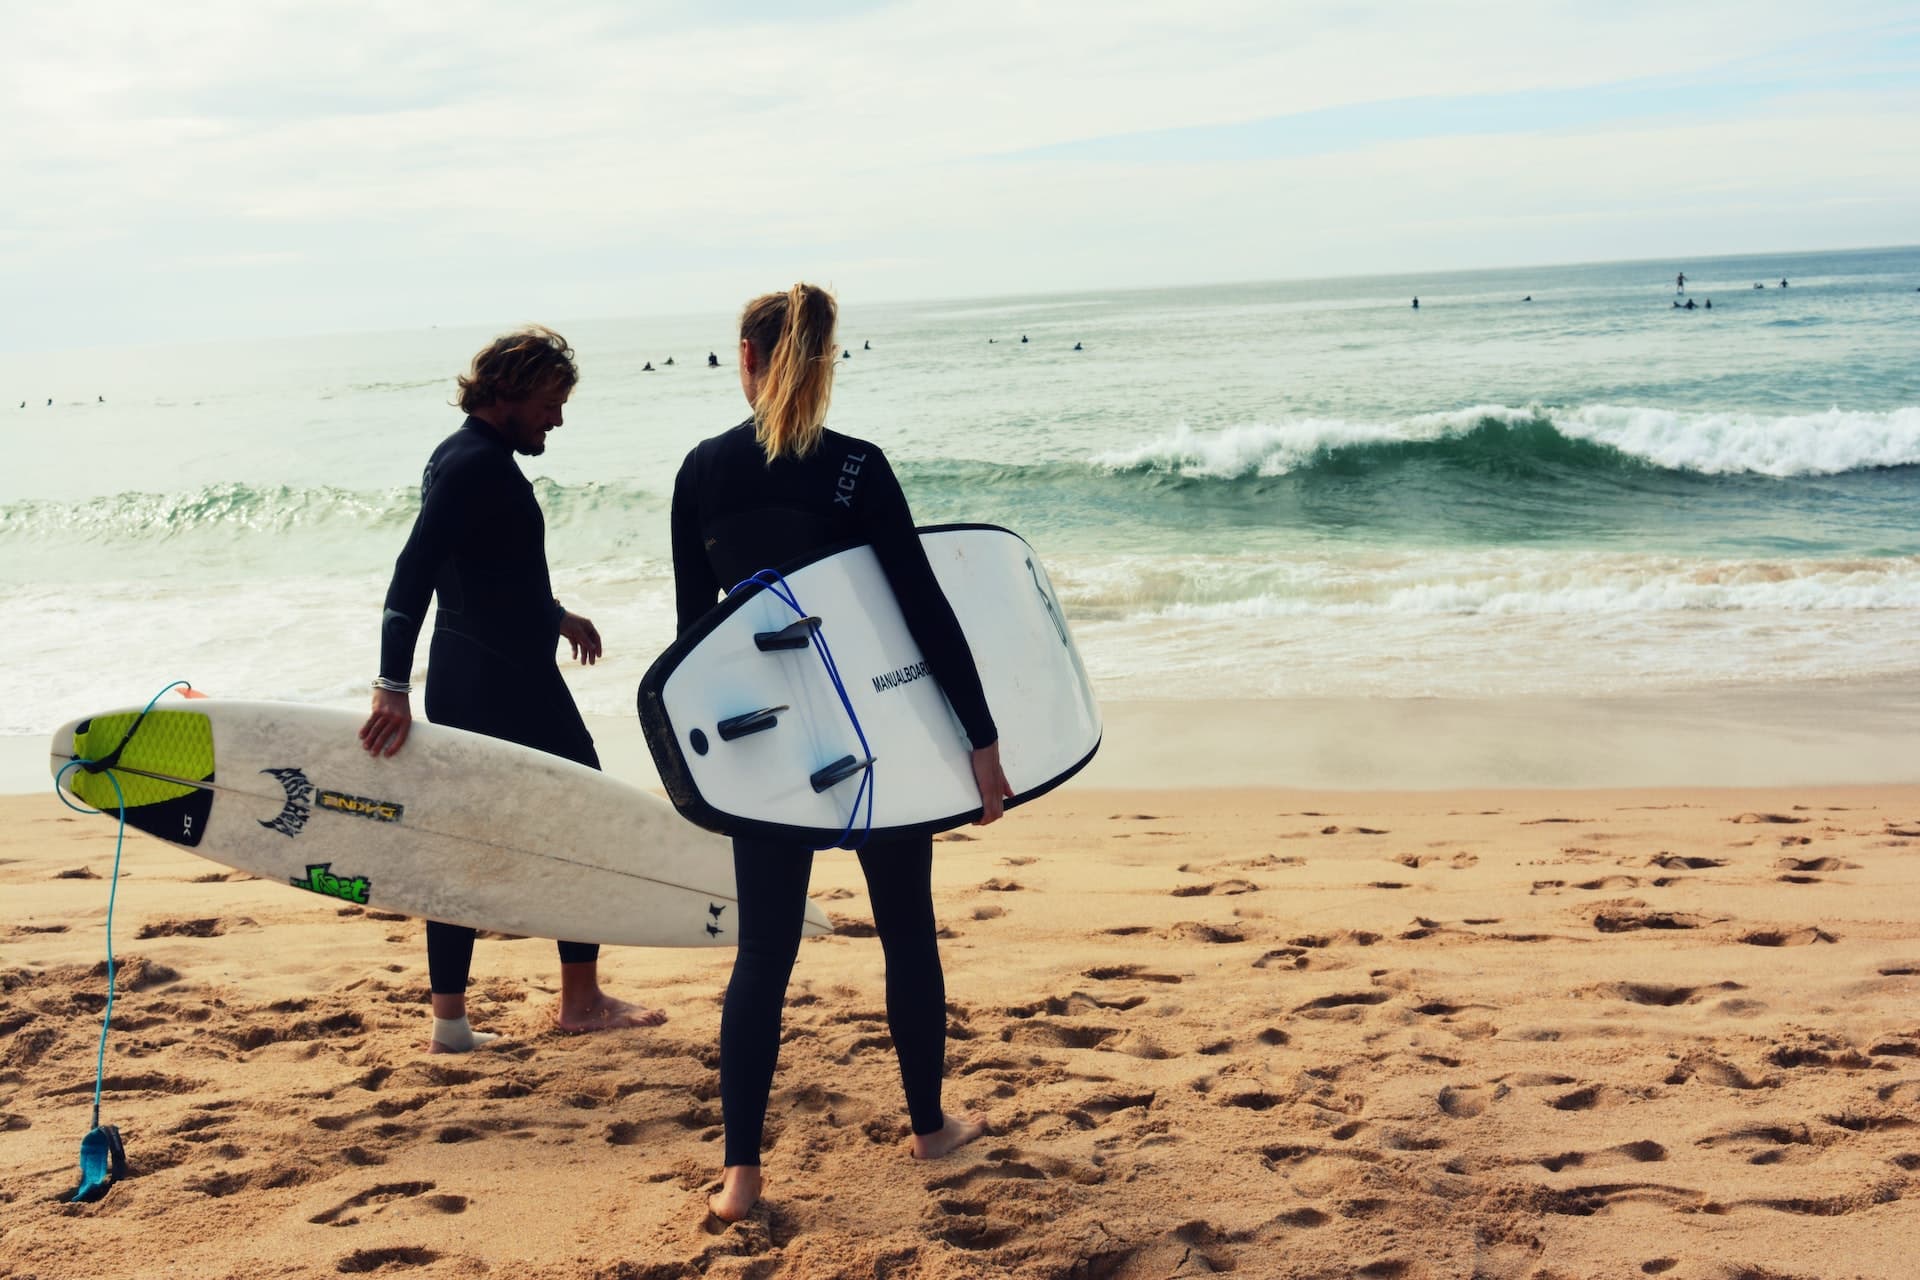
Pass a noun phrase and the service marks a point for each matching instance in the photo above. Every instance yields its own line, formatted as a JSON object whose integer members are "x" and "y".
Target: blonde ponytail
{"x": 791, "y": 335}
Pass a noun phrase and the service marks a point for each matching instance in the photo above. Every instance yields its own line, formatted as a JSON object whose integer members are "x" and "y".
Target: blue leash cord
{"x": 113, "y": 886}
{"x": 777, "y": 585}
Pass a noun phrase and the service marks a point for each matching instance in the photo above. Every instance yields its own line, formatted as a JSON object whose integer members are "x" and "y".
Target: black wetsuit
{"x": 734, "y": 514}
{"x": 479, "y": 543}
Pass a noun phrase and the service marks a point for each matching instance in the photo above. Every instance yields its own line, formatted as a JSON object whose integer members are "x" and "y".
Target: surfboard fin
{"x": 752, "y": 722}
{"x": 839, "y": 771}
{"x": 796, "y": 636}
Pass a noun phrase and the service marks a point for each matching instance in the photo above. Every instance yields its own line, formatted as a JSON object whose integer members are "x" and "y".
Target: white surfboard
{"x": 751, "y": 737}
{"x": 456, "y": 827}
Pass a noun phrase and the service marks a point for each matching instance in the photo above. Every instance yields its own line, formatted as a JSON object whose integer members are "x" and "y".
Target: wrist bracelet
{"x": 392, "y": 686}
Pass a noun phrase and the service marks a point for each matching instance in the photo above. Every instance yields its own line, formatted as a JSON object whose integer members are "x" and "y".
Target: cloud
{"x": 299, "y": 166}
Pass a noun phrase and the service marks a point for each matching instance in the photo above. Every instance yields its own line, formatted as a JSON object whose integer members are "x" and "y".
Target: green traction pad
{"x": 178, "y": 743}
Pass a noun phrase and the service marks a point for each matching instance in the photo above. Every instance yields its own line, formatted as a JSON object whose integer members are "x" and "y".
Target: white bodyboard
{"x": 763, "y": 782}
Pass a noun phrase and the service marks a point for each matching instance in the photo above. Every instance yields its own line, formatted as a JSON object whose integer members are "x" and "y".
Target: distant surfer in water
{"x": 713, "y": 361}
{"x": 479, "y": 543}
{"x": 1416, "y": 304}
{"x": 773, "y": 488}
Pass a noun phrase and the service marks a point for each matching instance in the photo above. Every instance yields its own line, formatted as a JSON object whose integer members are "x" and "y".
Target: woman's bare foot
{"x": 739, "y": 1192}
{"x": 957, "y": 1132}
{"x": 604, "y": 1013}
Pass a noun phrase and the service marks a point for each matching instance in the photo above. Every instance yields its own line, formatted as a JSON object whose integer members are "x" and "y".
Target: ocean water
{"x": 1256, "y": 490}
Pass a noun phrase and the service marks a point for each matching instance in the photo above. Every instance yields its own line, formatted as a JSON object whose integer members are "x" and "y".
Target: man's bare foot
{"x": 604, "y": 1013}
{"x": 481, "y": 1040}
{"x": 957, "y": 1132}
{"x": 454, "y": 1035}
{"x": 739, "y": 1192}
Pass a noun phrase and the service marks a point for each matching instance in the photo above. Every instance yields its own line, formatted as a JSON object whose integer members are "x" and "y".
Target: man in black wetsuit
{"x": 479, "y": 543}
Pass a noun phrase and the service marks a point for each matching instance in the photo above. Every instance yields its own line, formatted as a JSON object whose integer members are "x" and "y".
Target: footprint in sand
{"x": 1815, "y": 864}
{"x": 1645, "y": 1151}
{"x": 1001, "y": 1167}
{"x": 339, "y": 1026}
{"x": 1582, "y": 1202}
{"x": 1057, "y": 1035}
{"x": 1196, "y": 931}
{"x": 1708, "y": 1069}
{"x": 1464, "y": 1102}
{"x": 221, "y": 1184}
{"x": 1075, "y": 1005}
{"x": 1675, "y": 862}
{"x": 1801, "y": 937}
{"x": 1106, "y": 973}
{"x": 1656, "y": 993}
{"x": 1766, "y": 1144}
{"x": 1096, "y": 1111}
{"x": 1224, "y": 888}
{"x": 210, "y": 927}
{"x": 1594, "y": 1097}
{"x": 1342, "y": 1004}
{"x": 1623, "y": 921}
{"x": 1822, "y": 1051}
{"x": 363, "y": 1261}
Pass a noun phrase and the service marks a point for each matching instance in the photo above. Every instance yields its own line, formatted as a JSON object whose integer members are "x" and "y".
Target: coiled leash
{"x": 103, "y": 1156}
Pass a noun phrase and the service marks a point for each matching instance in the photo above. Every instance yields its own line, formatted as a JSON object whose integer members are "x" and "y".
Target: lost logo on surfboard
{"x": 302, "y": 796}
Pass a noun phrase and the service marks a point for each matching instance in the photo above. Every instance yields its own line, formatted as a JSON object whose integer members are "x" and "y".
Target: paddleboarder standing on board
{"x": 772, "y": 489}
{"x": 479, "y": 544}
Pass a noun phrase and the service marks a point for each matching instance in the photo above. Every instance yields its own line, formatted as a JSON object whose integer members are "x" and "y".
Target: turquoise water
{"x": 1258, "y": 489}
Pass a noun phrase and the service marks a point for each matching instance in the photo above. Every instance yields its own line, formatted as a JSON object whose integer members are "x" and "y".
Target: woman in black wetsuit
{"x": 770, "y": 490}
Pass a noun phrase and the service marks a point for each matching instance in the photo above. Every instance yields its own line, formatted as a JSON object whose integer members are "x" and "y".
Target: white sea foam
{"x": 1355, "y": 621}
{"x": 1707, "y": 443}
{"x": 1492, "y": 582}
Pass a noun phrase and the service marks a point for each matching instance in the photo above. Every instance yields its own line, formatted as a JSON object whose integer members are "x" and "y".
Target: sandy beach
{"x": 1276, "y": 1032}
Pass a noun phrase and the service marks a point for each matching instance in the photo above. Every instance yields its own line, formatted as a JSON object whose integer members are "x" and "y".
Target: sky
{"x": 244, "y": 168}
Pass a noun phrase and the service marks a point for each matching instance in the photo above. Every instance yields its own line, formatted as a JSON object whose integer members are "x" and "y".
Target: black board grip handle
{"x": 751, "y": 722}
{"x": 839, "y": 771}
{"x": 795, "y": 636}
